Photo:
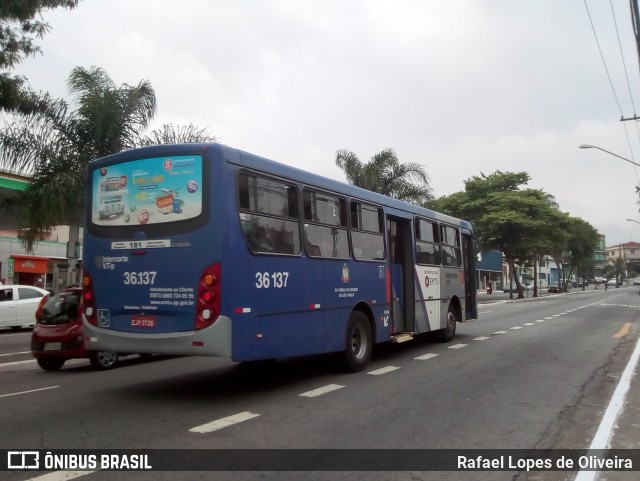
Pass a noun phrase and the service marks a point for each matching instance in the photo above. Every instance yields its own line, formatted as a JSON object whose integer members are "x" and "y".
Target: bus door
{"x": 469, "y": 250}
{"x": 401, "y": 272}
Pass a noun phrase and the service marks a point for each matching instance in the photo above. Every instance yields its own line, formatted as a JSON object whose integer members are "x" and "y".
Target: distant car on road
{"x": 612, "y": 282}
{"x": 18, "y": 304}
{"x": 636, "y": 281}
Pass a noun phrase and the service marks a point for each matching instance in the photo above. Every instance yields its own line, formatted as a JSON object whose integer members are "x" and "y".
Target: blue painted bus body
{"x": 146, "y": 276}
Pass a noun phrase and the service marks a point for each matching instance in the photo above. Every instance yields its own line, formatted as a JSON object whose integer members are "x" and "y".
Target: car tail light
{"x": 88, "y": 302}
{"x": 43, "y": 301}
{"x": 208, "y": 302}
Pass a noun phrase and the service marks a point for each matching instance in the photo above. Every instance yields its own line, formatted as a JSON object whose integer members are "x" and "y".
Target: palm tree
{"x": 386, "y": 175}
{"x": 53, "y": 145}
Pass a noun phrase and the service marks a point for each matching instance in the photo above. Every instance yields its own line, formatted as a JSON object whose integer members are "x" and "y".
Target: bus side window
{"x": 268, "y": 214}
{"x": 452, "y": 255}
{"x": 428, "y": 249}
{"x": 325, "y": 225}
{"x": 367, "y": 232}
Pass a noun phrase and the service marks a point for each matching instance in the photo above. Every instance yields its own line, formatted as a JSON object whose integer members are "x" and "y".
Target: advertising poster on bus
{"x": 148, "y": 191}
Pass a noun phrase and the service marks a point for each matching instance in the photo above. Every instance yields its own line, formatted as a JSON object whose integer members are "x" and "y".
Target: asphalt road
{"x": 534, "y": 373}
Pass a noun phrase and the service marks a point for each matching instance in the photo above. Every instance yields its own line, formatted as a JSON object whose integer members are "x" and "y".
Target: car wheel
{"x": 51, "y": 364}
{"x": 103, "y": 359}
{"x": 359, "y": 342}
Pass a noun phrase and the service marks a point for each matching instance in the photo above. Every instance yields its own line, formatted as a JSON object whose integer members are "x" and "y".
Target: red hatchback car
{"x": 57, "y": 335}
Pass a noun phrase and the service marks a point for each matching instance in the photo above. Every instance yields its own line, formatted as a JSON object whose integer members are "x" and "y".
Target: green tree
{"x": 385, "y": 175}
{"x": 20, "y": 23}
{"x": 54, "y": 146}
{"x": 582, "y": 243}
{"x": 505, "y": 216}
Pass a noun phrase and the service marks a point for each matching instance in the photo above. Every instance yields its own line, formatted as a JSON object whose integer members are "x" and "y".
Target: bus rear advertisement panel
{"x": 207, "y": 250}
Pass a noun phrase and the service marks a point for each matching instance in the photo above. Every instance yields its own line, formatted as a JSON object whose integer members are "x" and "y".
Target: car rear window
{"x": 60, "y": 308}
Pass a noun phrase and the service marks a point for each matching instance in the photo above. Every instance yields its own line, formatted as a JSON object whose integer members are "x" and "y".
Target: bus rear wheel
{"x": 103, "y": 359}
{"x": 359, "y": 342}
{"x": 446, "y": 334}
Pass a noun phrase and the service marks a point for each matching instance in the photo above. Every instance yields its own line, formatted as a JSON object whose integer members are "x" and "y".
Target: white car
{"x": 18, "y": 305}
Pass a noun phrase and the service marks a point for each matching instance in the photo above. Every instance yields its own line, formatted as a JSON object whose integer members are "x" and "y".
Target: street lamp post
{"x": 587, "y": 146}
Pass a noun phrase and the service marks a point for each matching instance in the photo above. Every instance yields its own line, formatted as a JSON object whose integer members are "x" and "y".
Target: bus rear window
{"x": 147, "y": 191}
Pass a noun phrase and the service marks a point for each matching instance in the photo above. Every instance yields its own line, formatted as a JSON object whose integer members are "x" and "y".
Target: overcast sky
{"x": 463, "y": 88}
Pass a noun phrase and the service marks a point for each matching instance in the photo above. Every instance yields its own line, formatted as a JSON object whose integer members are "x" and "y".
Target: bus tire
{"x": 359, "y": 342}
{"x": 446, "y": 334}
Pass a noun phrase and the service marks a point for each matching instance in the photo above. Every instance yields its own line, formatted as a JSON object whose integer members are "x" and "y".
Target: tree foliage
{"x": 385, "y": 175}
{"x": 54, "y": 144}
{"x": 20, "y": 24}
{"x": 522, "y": 223}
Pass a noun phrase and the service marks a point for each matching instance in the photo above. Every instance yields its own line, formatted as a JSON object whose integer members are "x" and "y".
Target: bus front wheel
{"x": 448, "y": 332}
{"x": 359, "y": 342}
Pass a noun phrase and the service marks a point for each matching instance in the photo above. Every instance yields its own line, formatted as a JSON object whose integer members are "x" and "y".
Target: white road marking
{"x": 547, "y": 318}
{"x": 458, "y": 346}
{"x": 383, "y": 370}
{"x": 27, "y": 392}
{"x": 224, "y": 422}
{"x": 425, "y": 357}
{"x": 516, "y": 327}
{"x": 540, "y": 320}
{"x": 605, "y": 430}
{"x": 321, "y": 390}
{"x": 61, "y": 475}
{"x": 481, "y": 338}
{"x": 497, "y": 333}
{"x": 529, "y": 324}
{"x": 16, "y": 353}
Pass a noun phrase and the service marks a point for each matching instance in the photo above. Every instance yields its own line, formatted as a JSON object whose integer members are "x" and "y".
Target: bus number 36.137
{"x": 135, "y": 278}
{"x": 265, "y": 280}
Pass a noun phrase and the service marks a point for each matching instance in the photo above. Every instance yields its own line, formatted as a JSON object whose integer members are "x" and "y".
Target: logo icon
{"x": 103, "y": 318}
{"x": 345, "y": 273}
{"x": 23, "y": 460}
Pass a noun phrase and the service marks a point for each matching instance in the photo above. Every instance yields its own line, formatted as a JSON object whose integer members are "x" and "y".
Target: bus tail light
{"x": 208, "y": 303}
{"x": 88, "y": 299}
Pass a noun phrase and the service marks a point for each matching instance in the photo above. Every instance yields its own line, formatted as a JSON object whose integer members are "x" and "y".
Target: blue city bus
{"x": 213, "y": 251}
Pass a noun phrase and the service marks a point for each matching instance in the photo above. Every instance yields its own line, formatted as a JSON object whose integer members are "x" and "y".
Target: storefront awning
{"x": 31, "y": 264}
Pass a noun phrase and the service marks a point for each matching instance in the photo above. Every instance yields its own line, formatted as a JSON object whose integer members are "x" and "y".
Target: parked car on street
{"x": 57, "y": 336}
{"x": 553, "y": 288}
{"x": 525, "y": 287}
{"x": 18, "y": 304}
{"x": 612, "y": 282}
{"x": 636, "y": 281}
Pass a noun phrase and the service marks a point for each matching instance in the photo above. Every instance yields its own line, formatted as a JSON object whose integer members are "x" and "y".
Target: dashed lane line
{"x": 426, "y": 357}
{"x": 383, "y": 370}
{"x": 458, "y": 346}
{"x": 321, "y": 390}
{"x": 224, "y": 422}
{"x": 61, "y": 475}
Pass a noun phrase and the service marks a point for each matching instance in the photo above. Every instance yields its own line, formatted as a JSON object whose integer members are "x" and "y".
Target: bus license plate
{"x": 53, "y": 346}
{"x": 143, "y": 321}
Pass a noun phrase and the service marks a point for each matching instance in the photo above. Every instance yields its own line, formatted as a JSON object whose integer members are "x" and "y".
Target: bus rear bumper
{"x": 214, "y": 340}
